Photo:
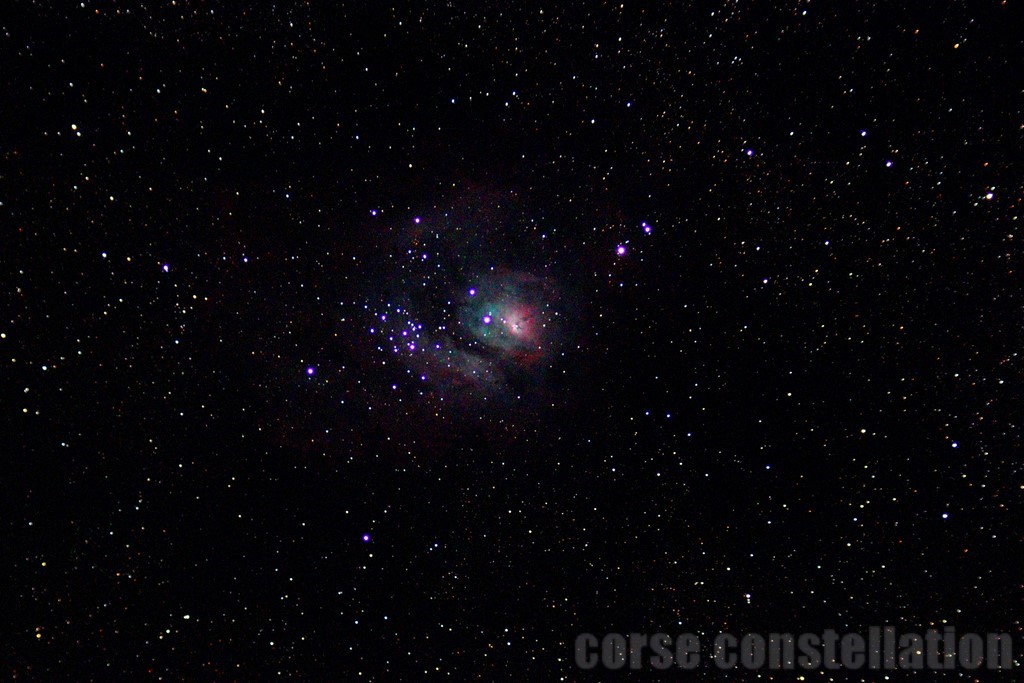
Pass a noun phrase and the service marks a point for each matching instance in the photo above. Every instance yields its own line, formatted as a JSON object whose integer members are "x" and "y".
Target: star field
{"x": 347, "y": 341}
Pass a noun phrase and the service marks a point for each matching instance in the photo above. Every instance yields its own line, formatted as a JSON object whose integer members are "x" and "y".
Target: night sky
{"x": 350, "y": 342}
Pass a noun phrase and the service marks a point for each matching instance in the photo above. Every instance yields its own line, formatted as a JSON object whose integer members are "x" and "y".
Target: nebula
{"x": 463, "y": 306}
{"x": 513, "y": 313}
